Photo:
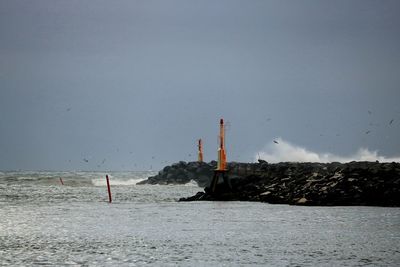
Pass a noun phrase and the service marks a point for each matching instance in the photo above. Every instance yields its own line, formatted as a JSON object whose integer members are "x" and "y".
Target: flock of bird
{"x": 367, "y": 132}
{"x": 268, "y": 119}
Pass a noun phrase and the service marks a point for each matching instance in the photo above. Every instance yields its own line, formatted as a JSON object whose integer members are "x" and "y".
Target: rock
{"x": 198, "y": 196}
{"x": 333, "y": 184}
{"x": 191, "y": 175}
{"x": 302, "y": 201}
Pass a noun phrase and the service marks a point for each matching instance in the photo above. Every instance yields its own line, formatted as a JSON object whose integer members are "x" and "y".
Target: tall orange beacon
{"x": 221, "y": 170}
{"x": 200, "y": 153}
{"x": 221, "y": 150}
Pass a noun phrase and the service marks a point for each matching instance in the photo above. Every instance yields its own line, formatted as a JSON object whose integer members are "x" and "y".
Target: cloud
{"x": 281, "y": 151}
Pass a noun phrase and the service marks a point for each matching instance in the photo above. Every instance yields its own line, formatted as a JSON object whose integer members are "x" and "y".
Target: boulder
{"x": 302, "y": 201}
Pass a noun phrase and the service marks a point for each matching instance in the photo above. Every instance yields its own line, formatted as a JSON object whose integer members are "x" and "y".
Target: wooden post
{"x": 109, "y": 190}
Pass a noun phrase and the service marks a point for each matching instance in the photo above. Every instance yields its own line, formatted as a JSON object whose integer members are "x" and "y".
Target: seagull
{"x": 86, "y": 160}
{"x": 276, "y": 142}
{"x": 367, "y": 132}
{"x": 391, "y": 121}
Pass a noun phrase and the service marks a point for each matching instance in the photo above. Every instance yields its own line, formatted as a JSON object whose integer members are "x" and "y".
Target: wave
{"x": 192, "y": 183}
{"x": 103, "y": 182}
{"x": 74, "y": 178}
{"x": 283, "y": 151}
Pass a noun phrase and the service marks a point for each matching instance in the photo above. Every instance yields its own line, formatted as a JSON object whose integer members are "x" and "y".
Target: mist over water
{"x": 45, "y": 223}
{"x": 280, "y": 150}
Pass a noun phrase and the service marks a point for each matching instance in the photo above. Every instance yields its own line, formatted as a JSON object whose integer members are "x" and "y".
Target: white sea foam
{"x": 192, "y": 183}
{"x": 103, "y": 182}
{"x": 122, "y": 178}
{"x": 285, "y": 151}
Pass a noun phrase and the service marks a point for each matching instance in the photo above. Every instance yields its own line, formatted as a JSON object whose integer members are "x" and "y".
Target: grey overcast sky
{"x": 129, "y": 85}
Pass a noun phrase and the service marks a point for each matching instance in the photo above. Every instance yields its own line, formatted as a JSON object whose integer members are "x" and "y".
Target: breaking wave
{"x": 75, "y": 178}
{"x": 283, "y": 151}
{"x": 102, "y": 182}
{"x": 192, "y": 183}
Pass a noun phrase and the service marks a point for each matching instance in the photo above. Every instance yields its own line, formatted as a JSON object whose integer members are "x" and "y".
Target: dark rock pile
{"x": 184, "y": 172}
{"x": 354, "y": 183}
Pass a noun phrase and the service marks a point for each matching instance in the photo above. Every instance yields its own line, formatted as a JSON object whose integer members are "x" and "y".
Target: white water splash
{"x": 123, "y": 178}
{"x": 192, "y": 183}
{"x": 284, "y": 151}
{"x": 103, "y": 182}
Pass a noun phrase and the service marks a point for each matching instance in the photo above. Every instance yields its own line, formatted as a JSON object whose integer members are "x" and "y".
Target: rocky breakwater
{"x": 353, "y": 183}
{"x": 184, "y": 172}
{"x": 199, "y": 172}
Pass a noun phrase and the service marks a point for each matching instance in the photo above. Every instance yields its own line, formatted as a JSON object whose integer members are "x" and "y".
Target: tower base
{"x": 217, "y": 175}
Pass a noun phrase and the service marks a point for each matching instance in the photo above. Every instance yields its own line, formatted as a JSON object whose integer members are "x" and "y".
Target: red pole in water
{"x": 109, "y": 190}
{"x": 61, "y": 181}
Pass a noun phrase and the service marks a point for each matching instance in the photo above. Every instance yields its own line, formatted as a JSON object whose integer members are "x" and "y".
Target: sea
{"x": 44, "y": 222}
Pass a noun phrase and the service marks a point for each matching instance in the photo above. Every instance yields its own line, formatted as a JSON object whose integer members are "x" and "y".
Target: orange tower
{"x": 221, "y": 170}
{"x": 200, "y": 153}
{"x": 221, "y": 150}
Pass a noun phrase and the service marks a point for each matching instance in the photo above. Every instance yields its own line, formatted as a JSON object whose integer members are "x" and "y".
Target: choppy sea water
{"x": 45, "y": 223}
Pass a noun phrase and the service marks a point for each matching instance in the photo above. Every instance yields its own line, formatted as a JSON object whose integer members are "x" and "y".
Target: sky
{"x": 132, "y": 85}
